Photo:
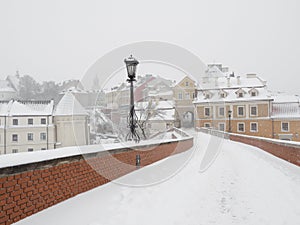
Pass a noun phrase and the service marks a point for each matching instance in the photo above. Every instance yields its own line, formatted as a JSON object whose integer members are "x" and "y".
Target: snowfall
{"x": 216, "y": 182}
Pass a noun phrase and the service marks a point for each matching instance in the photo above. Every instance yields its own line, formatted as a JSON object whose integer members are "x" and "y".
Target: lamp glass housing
{"x": 131, "y": 65}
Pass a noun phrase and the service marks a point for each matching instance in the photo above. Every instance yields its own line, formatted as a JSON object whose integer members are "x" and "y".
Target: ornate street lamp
{"x": 229, "y": 118}
{"x": 131, "y": 64}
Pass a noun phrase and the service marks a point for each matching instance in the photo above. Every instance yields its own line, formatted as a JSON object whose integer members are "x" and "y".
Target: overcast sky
{"x": 58, "y": 40}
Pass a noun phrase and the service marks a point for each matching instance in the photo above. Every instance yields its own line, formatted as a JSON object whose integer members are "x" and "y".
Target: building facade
{"x": 27, "y": 126}
{"x": 244, "y": 105}
{"x": 184, "y": 94}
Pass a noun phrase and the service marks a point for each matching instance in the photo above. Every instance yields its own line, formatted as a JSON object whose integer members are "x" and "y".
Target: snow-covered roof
{"x": 284, "y": 98}
{"x": 232, "y": 95}
{"x": 4, "y": 108}
{"x": 158, "y": 93}
{"x": 155, "y": 105}
{"x": 26, "y": 108}
{"x": 214, "y": 71}
{"x": 69, "y": 105}
{"x": 14, "y": 81}
{"x": 164, "y": 115}
{"x": 284, "y": 110}
{"x": 32, "y": 108}
{"x": 5, "y": 86}
{"x": 216, "y": 79}
{"x": 74, "y": 89}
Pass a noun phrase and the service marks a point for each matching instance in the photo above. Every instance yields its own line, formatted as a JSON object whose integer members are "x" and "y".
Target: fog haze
{"x": 59, "y": 40}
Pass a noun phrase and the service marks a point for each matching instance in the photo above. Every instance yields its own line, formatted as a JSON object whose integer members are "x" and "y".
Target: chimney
{"x": 251, "y": 75}
{"x": 228, "y": 81}
{"x": 238, "y": 80}
{"x": 216, "y": 82}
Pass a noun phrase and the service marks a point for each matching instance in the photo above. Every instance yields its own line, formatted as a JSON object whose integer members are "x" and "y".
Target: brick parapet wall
{"x": 30, "y": 188}
{"x": 287, "y": 150}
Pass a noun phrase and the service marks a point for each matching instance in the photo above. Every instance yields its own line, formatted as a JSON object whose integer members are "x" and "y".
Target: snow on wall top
{"x": 22, "y": 158}
{"x": 69, "y": 105}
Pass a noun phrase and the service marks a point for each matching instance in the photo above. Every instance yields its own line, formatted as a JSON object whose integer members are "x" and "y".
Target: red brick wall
{"x": 287, "y": 152}
{"x": 27, "y": 189}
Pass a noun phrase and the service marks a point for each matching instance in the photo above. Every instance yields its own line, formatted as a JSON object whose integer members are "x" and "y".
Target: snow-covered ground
{"x": 244, "y": 185}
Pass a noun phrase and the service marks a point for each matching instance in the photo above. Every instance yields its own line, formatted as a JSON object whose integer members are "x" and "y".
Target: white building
{"x": 157, "y": 116}
{"x": 26, "y": 126}
{"x": 7, "y": 92}
{"x": 71, "y": 121}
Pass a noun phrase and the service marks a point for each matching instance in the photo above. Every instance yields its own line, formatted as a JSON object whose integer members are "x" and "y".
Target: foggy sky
{"x": 58, "y": 40}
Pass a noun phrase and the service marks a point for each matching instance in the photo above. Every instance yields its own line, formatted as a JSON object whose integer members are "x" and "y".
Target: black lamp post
{"x": 229, "y": 117}
{"x": 131, "y": 64}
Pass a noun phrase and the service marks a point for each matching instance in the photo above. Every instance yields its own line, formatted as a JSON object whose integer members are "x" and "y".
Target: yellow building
{"x": 244, "y": 105}
{"x": 184, "y": 94}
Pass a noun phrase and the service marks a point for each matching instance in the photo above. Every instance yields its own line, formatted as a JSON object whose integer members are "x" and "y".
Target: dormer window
{"x": 223, "y": 94}
{"x": 240, "y": 93}
{"x": 253, "y": 92}
{"x": 207, "y": 95}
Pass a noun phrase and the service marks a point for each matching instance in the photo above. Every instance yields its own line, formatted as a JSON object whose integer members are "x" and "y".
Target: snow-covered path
{"x": 243, "y": 186}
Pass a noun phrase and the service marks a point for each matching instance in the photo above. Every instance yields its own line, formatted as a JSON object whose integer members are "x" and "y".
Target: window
{"x": 15, "y": 122}
{"x": 222, "y": 95}
{"x": 187, "y": 83}
{"x": 241, "y": 127}
{"x": 207, "y": 96}
{"x": 179, "y": 95}
{"x": 253, "y": 127}
{"x": 284, "y": 126}
{"x": 222, "y": 126}
{"x": 193, "y": 95}
{"x": 253, "y": 93}
{"x": 207, "y": 111}
{"x": 15, "y": 137}
{"x": 187, "y": 95}
{"x": 240, "y": 110}
{"x": 43, "y": 136}
{"x": 43, "y": 121}
{"x": 253, "y": 111}
{"x": 30, "y": 121}
{"x": 43, "y": 148}
{"x": 241, "y": 94}
{"x": 207, "y": 125}
{"x": 221, "y": 111}
{"x": 30, "y": 136}
{"x": 15, "y": 151}
{"x": 30, "y": 149}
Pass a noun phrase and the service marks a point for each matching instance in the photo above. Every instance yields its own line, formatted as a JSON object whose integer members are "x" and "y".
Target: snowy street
{"x": 244, "y": 185}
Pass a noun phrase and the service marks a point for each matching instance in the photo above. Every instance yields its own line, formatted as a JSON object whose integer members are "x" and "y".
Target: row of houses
{"x": 161, "y": 102}
{"x": 27, "y": 126}
{"x": 220, "y": 100}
